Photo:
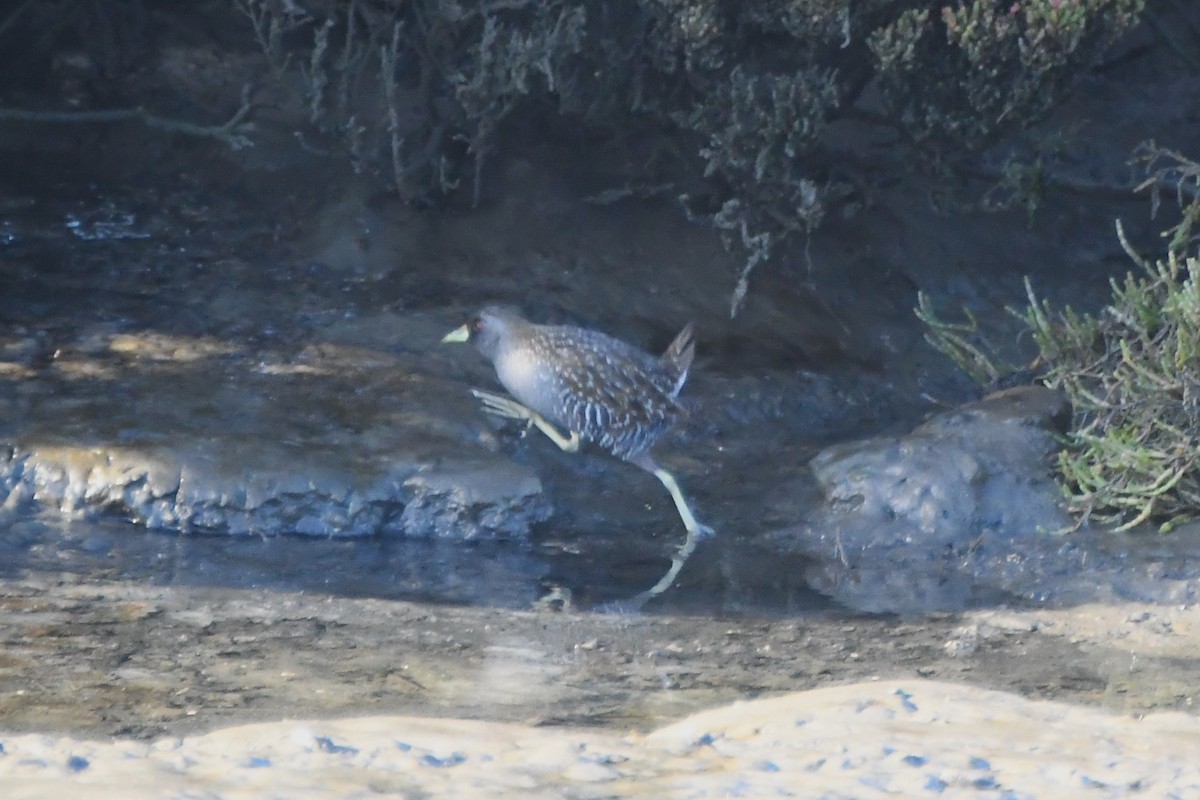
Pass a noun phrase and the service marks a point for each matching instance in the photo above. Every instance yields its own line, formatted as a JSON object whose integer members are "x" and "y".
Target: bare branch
{"x": 234, "y": 133}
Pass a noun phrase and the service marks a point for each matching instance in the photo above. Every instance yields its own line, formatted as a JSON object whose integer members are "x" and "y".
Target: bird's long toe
{"x": 501, "y": 406}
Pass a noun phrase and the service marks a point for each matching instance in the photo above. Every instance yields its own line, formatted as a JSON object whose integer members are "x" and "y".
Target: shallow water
{"x": 490, "y": 574}
{"x": 435, "y": 571}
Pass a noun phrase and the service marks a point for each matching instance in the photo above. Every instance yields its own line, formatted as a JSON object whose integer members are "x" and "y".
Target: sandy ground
{"x": 901, "y": 738}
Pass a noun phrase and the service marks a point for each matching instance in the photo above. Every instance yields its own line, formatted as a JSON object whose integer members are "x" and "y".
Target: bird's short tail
{"x": 677, "y": 359}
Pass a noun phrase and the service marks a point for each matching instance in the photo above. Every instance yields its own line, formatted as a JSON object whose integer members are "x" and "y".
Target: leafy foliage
{"x": 1131, "y": 372}
{"x": 746, "y": 89}
{"x": 978, "y": 67}
{"x": 1133, "y": 376}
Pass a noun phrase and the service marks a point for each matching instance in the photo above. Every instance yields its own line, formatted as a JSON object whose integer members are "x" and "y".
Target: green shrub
{"x": 1131, "y": 372}
{"x": 1133, "y": 376}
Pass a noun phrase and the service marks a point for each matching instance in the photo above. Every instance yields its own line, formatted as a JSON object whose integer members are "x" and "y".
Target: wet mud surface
{"x": 100, "y": 659}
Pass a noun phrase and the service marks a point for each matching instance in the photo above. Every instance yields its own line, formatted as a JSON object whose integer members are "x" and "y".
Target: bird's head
{"x": 487, "y": 329}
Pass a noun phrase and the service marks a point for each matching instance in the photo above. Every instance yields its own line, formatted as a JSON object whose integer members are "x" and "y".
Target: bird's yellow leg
{"x": 568, "y": 445}
{"x": 502, "y": 406}
{"x": 694, "y": 528}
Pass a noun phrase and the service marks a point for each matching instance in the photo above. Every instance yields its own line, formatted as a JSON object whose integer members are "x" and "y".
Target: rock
{"x": 181, "y": 435}
{"x": 946, "y": 516}
{"x": 473, "y": 502}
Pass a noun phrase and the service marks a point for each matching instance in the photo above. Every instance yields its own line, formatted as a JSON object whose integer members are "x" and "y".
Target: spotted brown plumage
{"x": 600, "y": 389}
{"x": 610, "y": 392}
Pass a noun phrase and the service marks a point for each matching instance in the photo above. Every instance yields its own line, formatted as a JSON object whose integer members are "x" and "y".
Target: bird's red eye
{"x": 477, "y": 325}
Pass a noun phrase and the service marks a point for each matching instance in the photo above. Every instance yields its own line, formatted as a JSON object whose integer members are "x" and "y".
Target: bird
{"x": 597, "y": 388}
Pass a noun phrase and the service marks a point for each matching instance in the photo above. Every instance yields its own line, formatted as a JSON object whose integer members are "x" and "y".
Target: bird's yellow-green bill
{"x": 460, "y": 334}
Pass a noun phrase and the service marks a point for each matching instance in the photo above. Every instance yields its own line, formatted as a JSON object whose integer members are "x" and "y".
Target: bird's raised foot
{"x": 700, "y": 531}
{"x": 501, "y": 406}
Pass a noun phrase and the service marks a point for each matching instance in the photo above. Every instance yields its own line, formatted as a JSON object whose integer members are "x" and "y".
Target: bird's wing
{"x": 613, "y": 393}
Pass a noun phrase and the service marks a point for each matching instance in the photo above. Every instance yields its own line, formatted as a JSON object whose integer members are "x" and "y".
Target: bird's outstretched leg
{"x": 694, "y": 528}
{"x": 502, "y": 406}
